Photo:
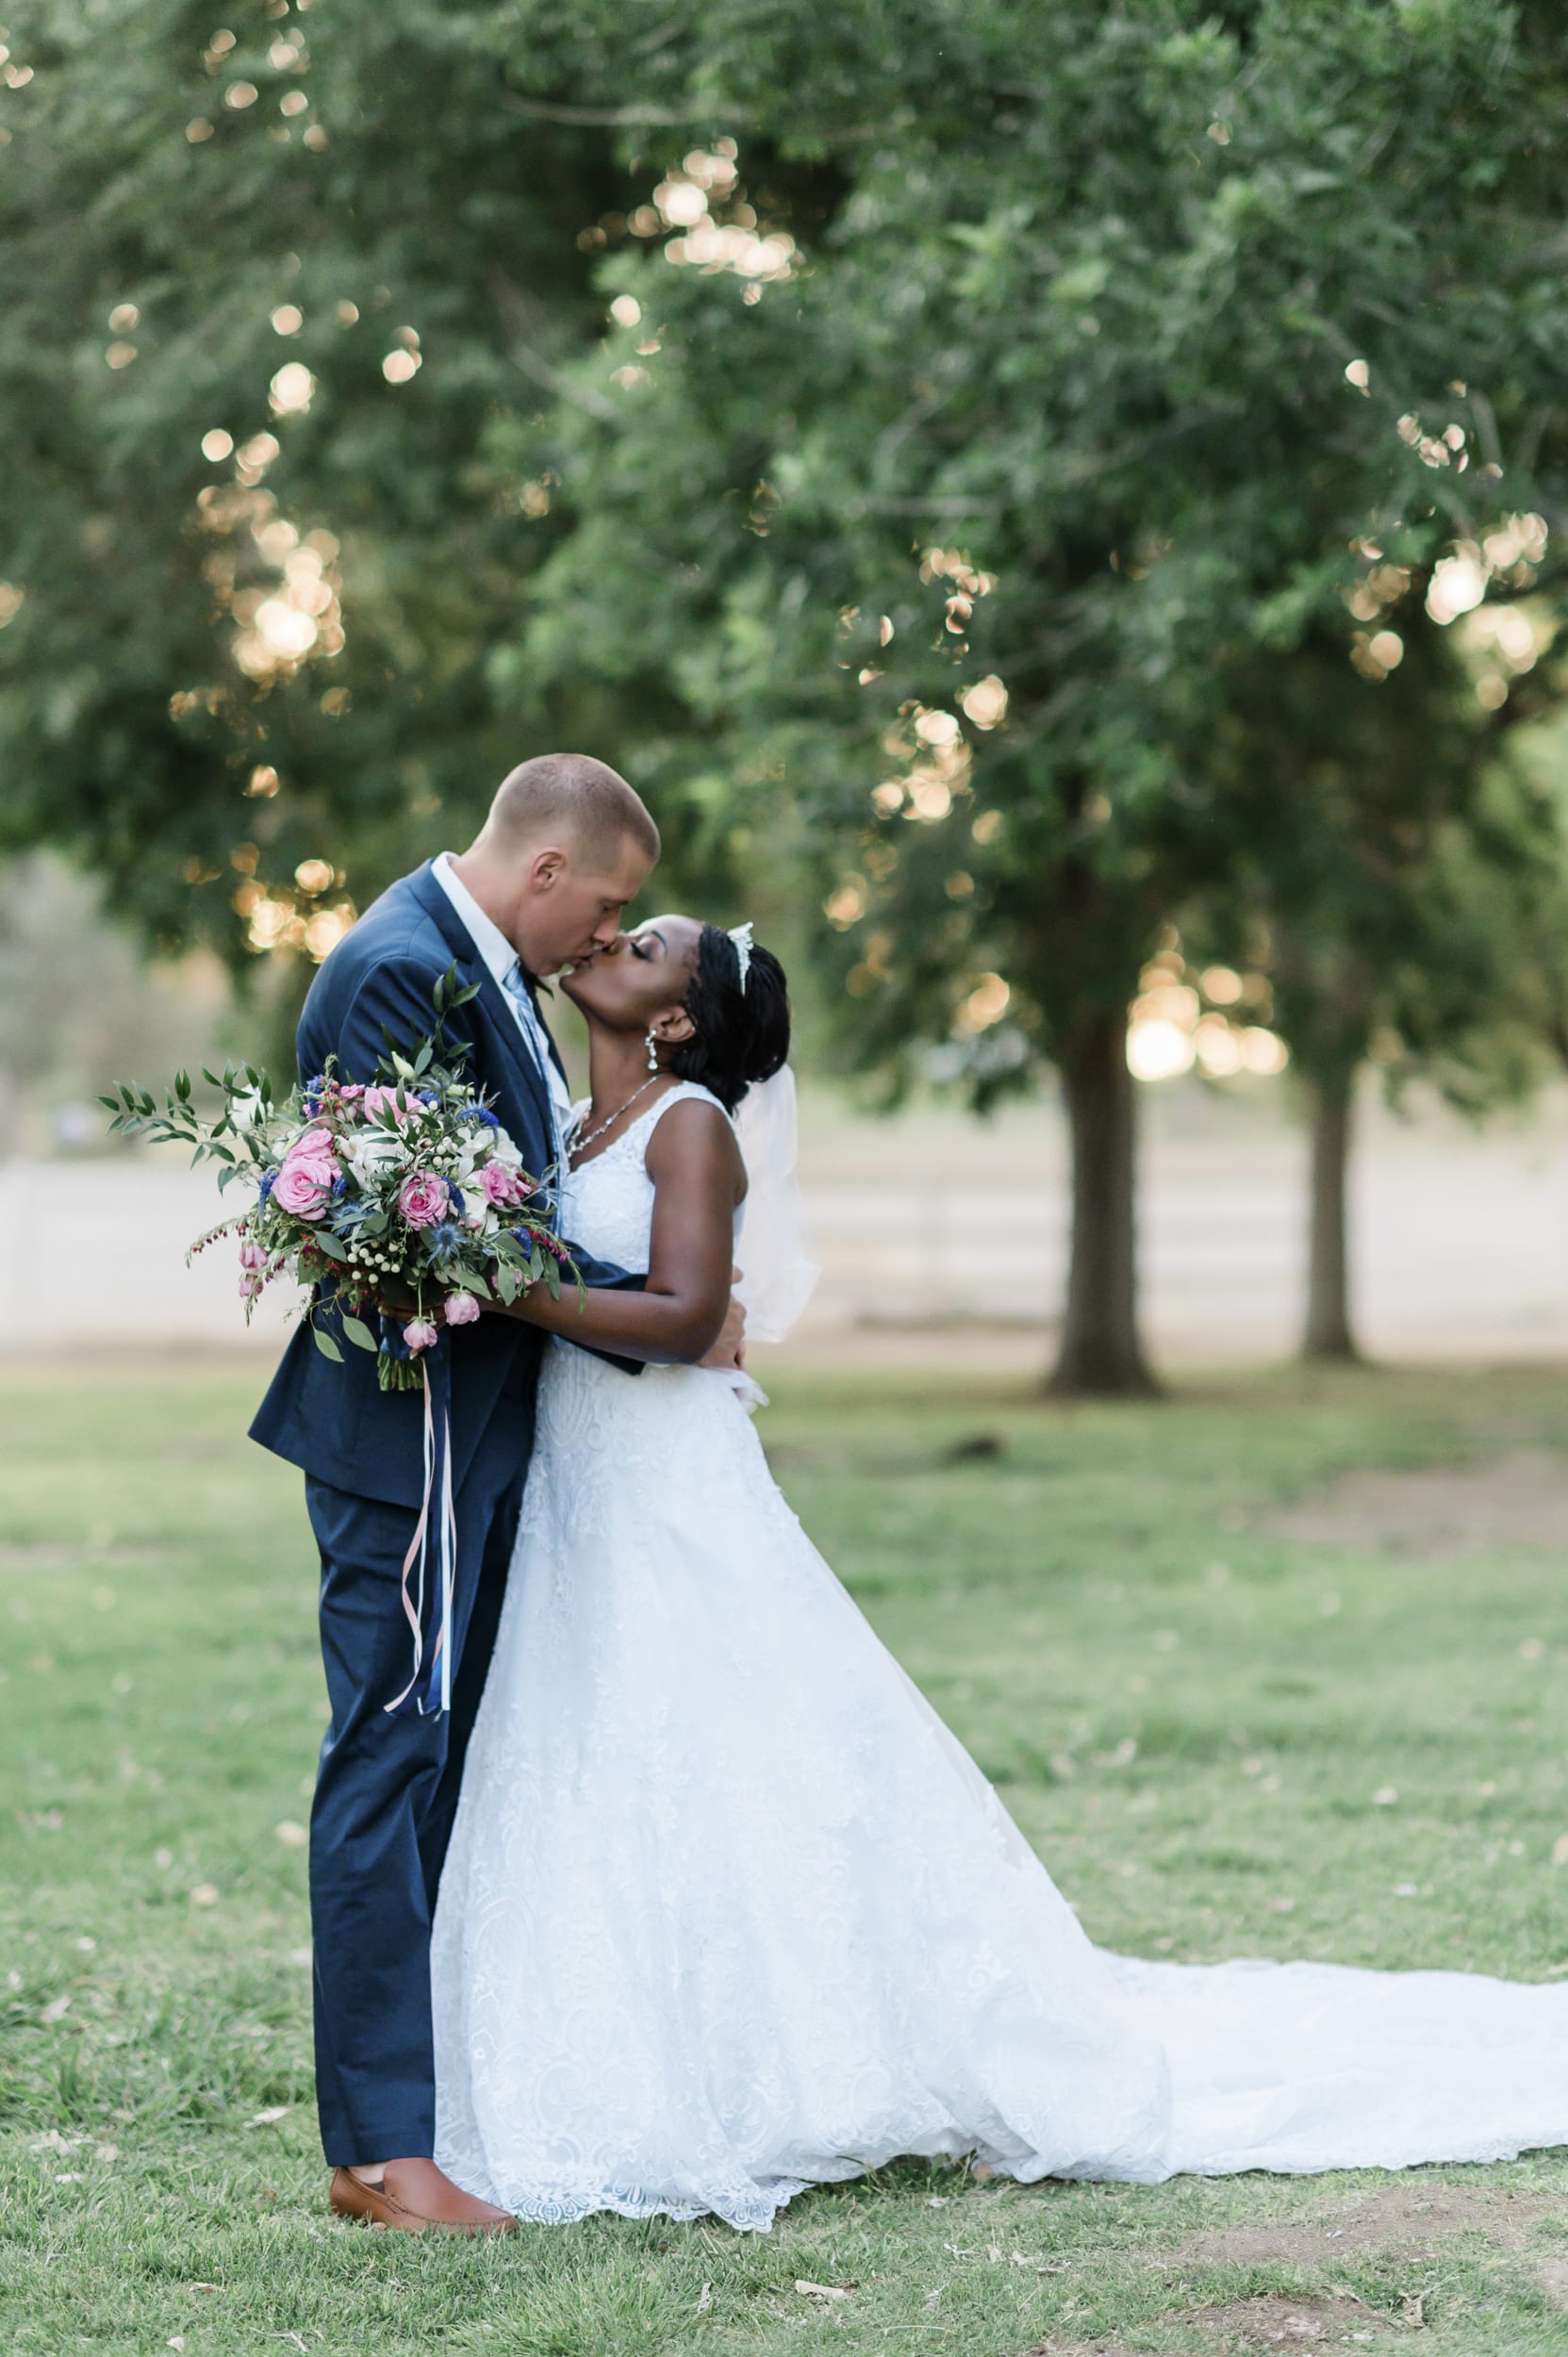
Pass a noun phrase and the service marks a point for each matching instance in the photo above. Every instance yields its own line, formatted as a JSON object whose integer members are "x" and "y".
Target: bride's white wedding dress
{"x": 728, "y": 1912}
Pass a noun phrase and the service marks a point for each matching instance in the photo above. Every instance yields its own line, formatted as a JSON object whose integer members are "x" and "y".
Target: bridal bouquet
{"x": 404, "y": 1201}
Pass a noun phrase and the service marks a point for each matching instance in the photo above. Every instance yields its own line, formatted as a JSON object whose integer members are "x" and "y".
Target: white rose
{"x": 373, "y": 1155}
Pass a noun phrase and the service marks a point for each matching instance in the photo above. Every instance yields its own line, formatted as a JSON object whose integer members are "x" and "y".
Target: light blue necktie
{"x": 534, "y": 1031}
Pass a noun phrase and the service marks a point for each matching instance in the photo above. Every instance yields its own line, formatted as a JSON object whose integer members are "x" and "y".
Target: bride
{"x": 728, "y": 1911}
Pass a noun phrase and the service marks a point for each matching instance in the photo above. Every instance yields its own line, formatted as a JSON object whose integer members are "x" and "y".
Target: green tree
{"x": 271, "y": 288}
{"x": 965, "y": 513}
{"x": 1388, "y": 857}
{"x": 991, "y": 401}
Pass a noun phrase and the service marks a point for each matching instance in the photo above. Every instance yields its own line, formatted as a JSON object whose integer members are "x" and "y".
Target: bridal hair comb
{"x": 741, "y": 936}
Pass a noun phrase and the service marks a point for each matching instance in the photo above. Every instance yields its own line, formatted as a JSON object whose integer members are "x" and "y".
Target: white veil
{"x": 779, "y": 1269}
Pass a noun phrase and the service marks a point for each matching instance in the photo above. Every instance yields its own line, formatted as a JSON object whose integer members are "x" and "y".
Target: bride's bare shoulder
{"x": 693, "y": 1143}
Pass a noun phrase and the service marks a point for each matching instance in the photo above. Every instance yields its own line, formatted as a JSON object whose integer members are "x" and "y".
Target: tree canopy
{"x": 269, "y": 288}
{"x": 1149, "y": 376}
{"x": 1053, "y": 473}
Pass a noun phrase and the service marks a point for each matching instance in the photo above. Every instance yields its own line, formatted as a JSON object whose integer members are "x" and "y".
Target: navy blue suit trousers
{"x": 386, "y": 1792}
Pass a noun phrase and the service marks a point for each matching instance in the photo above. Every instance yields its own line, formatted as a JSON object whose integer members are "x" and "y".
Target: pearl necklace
{"x": 575, "y": 1144}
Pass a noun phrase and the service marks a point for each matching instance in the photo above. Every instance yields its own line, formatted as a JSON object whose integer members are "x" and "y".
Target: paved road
{"x": 1461, "y": 1241}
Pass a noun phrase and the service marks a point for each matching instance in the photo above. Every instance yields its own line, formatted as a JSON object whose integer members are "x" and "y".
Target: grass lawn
{"x": 1223, "y": 1738}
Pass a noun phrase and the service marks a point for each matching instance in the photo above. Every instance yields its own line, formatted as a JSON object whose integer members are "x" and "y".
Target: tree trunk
{"x": 1327, "y": 1331}
{"x": 1100, "y": 1352}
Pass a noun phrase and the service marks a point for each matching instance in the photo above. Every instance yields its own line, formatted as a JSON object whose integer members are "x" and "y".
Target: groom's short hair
{"x": 584, "y": 801}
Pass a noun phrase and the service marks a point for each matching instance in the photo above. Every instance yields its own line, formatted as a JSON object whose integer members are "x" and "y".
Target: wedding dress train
{"x": 728, "y": 1911}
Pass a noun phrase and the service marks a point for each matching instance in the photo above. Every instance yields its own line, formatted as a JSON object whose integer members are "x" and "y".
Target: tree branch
{"x": 672, "y": 118}
{"x": 517, "y": 316}
{"x": 936, "y": 507}
{"x": 594, "y": 118}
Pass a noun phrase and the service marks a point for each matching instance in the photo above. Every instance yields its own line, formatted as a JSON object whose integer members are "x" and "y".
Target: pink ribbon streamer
{"x": 417, "y": 1558}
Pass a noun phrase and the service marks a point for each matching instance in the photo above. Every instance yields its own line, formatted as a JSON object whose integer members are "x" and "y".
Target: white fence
{"x": 1460, "y": 1242}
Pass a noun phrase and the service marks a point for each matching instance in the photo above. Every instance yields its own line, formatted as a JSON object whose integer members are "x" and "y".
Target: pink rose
{"x": 423, "y": 1199}
{"x": 420, "y": 1334}
{"x": 311, "y": 1145}
{"x": 314, "y": 1145}
{"x": 461, "y": 1309}
{"x": 314, "y": 1150}
{"x": 304, "y": 1185}
{"x": 384, "y": 1100}
{"x": 503, "y": 1185}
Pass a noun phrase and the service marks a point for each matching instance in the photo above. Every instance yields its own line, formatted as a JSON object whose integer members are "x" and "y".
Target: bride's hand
{"x": 730, "y": 1349}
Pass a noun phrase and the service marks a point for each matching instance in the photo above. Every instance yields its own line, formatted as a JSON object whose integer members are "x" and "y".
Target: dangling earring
{"x": 652, "y": 1046}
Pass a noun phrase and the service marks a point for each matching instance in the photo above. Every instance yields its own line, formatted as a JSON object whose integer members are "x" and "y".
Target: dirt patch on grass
{"x": 1551, "y": 2273}
{"x": 1275, "y": 2321}
{"x": 1250, "y": 2328}
{"x": 1081, "y": 2349}
{"x": 1441, "y": 1511}
{"x": 1091, "y": 2348}
{"x": 1407, "y": 2219}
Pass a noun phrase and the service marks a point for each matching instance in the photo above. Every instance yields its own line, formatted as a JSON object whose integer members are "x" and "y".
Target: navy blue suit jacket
{"x": 334, "y": 1420}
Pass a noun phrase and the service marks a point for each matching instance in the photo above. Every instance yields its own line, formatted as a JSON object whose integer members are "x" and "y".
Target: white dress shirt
{"x": 505, "y": 964}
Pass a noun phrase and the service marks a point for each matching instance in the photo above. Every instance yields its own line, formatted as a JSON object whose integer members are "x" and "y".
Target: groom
{"x": 566, "y": 846}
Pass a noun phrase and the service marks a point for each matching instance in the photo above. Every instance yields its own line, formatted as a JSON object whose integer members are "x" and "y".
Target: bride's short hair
{"x": 740, "y": 1030}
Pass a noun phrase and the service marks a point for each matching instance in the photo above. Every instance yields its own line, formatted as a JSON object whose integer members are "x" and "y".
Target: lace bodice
{"x": 607, "y": 1206}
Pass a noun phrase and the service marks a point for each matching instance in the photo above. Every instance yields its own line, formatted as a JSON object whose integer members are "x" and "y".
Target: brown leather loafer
{"x": 351, "y": 2197}
{"x": 415, "y": 2195}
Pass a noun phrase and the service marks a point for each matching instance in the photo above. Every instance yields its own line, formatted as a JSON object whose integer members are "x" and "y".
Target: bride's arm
{"x": 697, "y": 1180}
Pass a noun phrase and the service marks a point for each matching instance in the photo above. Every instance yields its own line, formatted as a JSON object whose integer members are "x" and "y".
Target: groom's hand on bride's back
{"x": 730, "y": 1349}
